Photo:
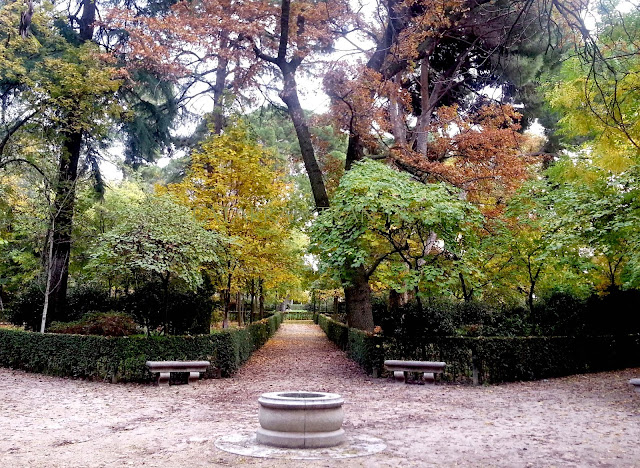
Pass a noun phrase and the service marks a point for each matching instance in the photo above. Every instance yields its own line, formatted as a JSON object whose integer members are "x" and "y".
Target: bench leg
{"x": 193, "y": 377}
{"x": 163, "y": 378}
{"x": 399, "y": 376}
{"x": 429, "y": 377}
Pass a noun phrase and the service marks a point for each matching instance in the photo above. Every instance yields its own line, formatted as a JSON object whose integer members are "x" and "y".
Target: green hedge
{"x": 496, "y": 359}
{"x": 299, "y": 315}
{"x": 364, "y": 348}
{"x": 123, "y": 358}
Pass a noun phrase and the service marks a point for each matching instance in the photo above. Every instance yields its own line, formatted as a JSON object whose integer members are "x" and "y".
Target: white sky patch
{"x": 535, "y": 128}
{"x": 111, "y": 161}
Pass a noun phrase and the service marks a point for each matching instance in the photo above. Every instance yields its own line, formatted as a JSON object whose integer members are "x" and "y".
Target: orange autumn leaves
{"x": 482, "y": 154}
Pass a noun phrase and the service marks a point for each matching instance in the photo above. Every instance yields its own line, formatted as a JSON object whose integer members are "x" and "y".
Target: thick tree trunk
{"x": 65, "y": 195}
{"x": 289, "y": 95}
{"x": 398, "y": 299}
{"x": 424, "y": 120}
{"x": 219, "y": 86}
{"x": 62, "y": 225}
{"x": 358, "y": 300}
{"x": 396, "y": 115}
{"x": 165, "y": 303}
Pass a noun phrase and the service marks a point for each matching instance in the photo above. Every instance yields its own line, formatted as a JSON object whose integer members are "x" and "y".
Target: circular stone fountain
{"x": 300, "y": 419}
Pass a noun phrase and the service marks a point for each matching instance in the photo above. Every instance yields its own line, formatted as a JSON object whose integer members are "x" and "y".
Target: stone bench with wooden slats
{"x": 428, "y": 369}
{"x": 164, "y": 369}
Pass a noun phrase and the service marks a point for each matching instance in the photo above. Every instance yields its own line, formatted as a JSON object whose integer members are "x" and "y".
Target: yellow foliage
{"x": 234, "y": 186}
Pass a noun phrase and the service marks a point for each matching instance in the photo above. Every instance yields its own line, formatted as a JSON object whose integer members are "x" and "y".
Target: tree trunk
{"x": 45, "y": 308}
{"x": 422, "y": 136}
{"x": 289, "y": 95}
{"x": 261, "y": 298}
{"x": 284, "y": 304}
{"x": 219, "y": 86}
{"x": 398, "y": 299}
{"x": 239, "y": 309}
{"x": 65, "y": 194}
{"x": 467, "y": 293}
{"x": 358, "y": 300}
{"x": 253, "y": 301}
{"x": 396, "y": 115}
{"x": 62, "y": 225}
{"x": 226, "y": 294}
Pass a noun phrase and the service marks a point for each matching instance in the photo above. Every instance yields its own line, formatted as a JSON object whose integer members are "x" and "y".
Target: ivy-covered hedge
{"x": 123, "y": 358}
{"x": 496, "y": 359}
{"x": 364, "y": 348}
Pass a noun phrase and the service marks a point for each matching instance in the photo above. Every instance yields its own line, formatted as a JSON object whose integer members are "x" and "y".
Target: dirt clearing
{"x": 583, "y": 420}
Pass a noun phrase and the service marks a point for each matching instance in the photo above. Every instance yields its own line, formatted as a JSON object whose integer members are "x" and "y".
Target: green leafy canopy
{"x": 382, "y": 215}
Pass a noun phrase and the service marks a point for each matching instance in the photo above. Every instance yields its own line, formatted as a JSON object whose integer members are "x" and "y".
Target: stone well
{"x": 300, "y": 419}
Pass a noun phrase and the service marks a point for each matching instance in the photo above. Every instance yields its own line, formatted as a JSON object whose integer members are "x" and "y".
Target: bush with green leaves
{"x": 98, "y": 323}
{"x": 182, "y": 310}
{"x": 363, "y": 347}
{"x": 380, "y": 216}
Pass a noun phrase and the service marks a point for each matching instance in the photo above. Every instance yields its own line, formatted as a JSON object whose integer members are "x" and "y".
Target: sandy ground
{"x": 583, "y": 420}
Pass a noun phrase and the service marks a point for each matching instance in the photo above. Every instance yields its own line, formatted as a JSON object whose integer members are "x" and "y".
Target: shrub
{"x": 495, "y": 358}
{"x": 364, "y": 348}
{"x": 87, "y": 298}
{"x": 26, "y": 309}
{"x": 187, "y": 312}
{"x": 98, "y": 323}
{"x": 123, "y": 358}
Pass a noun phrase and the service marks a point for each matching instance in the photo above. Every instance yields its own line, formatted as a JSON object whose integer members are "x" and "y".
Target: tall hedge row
{"x": 364, "y": 348}
{"x": 123, "y": 358}
{"x": 495, "y": 359}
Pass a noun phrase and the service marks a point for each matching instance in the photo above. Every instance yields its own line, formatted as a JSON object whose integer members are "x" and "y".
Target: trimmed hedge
{"x": 123, "y": 358}
{"x": 507, "y": 359}
{"x": 364, "y": 348}
{"x": 298, "y": 315}
{"x": 496, "y": 359}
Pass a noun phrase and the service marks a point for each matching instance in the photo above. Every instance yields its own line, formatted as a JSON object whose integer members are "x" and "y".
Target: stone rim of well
{"x": 300, "y": 400}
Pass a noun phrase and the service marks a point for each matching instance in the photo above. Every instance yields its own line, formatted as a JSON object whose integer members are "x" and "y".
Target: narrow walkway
{"x": 301, "y": 357}
{"x": 583, "y": 420}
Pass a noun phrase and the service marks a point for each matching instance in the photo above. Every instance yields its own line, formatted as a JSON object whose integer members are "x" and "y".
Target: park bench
{"x": 636, "y": 384}
{"x": 164, "y": 369}
{"x": 428, "y": 369}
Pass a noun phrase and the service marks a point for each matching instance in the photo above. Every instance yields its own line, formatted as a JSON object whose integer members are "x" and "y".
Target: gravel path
{"x": 583, "y": 420}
